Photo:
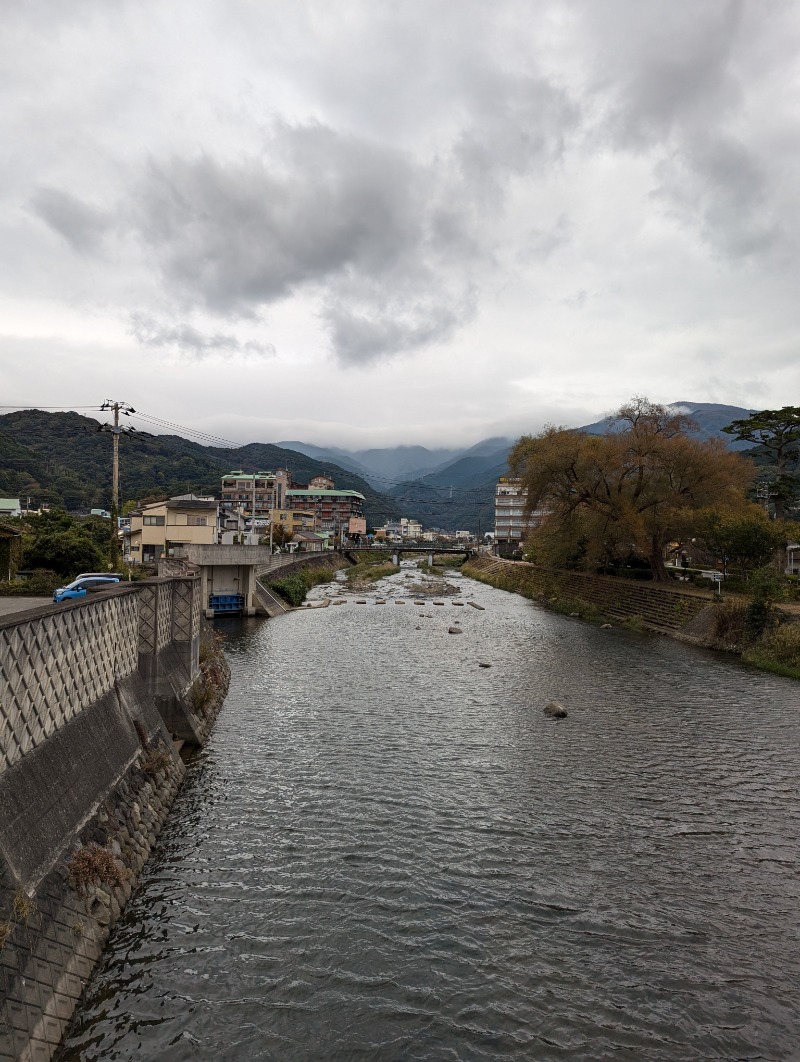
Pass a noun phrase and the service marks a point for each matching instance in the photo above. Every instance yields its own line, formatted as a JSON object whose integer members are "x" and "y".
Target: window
{"x": 153, "y": 521}
{"x": 196, "y": 521}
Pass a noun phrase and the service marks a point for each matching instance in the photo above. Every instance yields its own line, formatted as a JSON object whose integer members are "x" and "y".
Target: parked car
{"x": 83, "y": 585}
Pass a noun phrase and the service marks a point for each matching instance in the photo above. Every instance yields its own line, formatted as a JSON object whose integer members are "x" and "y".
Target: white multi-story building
{"x": 511, "y": 524}
{"x": 410, "y": 528}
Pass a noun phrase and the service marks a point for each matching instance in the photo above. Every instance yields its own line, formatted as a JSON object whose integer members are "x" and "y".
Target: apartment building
{"x": 511, "y": 524}
{"x": 339, "y": 513}
{"x": 258, "y": 494}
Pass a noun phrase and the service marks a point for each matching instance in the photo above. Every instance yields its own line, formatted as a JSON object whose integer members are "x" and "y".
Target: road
{"x": 10, "y": 605}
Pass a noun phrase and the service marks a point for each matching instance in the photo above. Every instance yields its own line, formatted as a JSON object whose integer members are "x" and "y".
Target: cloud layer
{"x": 535, "y": 206}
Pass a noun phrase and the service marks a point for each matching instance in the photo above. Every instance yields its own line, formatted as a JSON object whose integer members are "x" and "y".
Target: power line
{"x": 24, "y": 406}
{"x": 149, "y": 418}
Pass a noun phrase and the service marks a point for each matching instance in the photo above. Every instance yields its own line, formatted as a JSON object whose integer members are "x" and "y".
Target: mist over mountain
{"x": 63, "y": 459}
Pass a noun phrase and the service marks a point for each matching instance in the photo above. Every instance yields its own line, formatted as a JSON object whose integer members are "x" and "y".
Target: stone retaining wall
{"x": 660, "y": 608}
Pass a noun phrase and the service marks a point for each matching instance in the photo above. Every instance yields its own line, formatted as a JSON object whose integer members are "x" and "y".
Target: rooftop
{"x": 329, "y": 493}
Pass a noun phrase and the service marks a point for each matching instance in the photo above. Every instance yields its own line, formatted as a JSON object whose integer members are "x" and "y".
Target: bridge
{"x": 398, "y": 549}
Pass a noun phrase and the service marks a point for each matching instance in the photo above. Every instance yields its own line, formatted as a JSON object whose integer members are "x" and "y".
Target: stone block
{"x": 52, "y": 1028}
{"x": 16, "y": 1014}
{"x": 38, "y": 1051}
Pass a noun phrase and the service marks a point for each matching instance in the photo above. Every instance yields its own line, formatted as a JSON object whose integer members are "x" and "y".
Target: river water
{"x": 387, "y": 852}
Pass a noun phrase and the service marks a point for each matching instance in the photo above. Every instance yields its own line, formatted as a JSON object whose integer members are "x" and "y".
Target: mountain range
{"x": 63, "y": 459}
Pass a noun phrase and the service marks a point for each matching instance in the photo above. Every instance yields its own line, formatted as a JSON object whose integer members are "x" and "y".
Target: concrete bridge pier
{"x": 397, "y": 555}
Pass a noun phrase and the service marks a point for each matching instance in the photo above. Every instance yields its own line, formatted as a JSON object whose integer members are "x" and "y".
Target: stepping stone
{"x": 476, "y": 605}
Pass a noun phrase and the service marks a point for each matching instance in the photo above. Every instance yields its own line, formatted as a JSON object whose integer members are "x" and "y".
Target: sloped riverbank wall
{"x": 654, "y": 607}
{"x": 95, "y": 699}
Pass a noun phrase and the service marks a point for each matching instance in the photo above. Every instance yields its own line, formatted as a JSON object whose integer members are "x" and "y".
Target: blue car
{"x": 83, "y": 585}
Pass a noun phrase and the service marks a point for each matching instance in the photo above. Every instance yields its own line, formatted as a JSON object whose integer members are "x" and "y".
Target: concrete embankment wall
{"x": 282, "y": 566}
{"x": 91, "y": 695}
{"x": 654, "y": 607}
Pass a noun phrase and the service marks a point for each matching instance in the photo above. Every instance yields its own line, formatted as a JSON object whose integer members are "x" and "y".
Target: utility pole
{"x": 116, "y": 431}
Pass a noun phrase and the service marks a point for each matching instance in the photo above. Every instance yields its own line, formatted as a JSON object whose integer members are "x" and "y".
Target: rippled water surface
{"x": 387, "y": 852}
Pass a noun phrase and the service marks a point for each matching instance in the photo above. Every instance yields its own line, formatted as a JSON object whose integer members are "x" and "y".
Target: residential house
{"x": 164, "y": 528}
{"x": 10, "y": 507}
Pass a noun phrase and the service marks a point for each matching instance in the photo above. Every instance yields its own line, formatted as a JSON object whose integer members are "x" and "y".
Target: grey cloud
{"x": 388, "y": 245}
{"x": 662, "y": 67}
{"x": 363, "y": 334}
{"x": 241, "y": 234}
{"x": 540, "y": 244}
{"x": 517, "y": 124}
{"x": 189, "y": 340}
{"x": 373, "y": 236}
{"x": 82, "y": 225}
{"x": 719, "y": 188}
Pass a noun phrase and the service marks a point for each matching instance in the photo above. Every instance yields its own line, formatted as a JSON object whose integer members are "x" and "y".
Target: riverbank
{"x": 690, "y": 615}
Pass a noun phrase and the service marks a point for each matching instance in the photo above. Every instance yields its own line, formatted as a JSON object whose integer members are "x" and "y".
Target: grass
{"x": 370, "y": 571}
{"x": 155, "y": 760}
{"x": 22, "y": 908}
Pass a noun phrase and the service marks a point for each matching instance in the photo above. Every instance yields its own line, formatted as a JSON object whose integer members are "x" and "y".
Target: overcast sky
{"x": 418, "y": 221}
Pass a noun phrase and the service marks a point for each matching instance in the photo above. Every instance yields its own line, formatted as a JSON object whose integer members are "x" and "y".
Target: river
{"x": 387, "y": 852}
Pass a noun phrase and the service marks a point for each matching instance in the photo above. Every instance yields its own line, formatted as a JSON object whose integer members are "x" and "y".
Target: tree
{"x": 62, "y": 544}
{"x": 745, "y": 540}
{"x": 777, "y": 431}
{"x": 631, "y": 490}
{"x": 281, "y": 535}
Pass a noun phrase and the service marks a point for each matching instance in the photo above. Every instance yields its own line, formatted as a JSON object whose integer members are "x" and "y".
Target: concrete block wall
{"x": 87, "y": 763}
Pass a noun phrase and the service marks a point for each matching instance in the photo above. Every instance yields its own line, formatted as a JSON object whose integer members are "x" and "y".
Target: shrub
{"x": 41, "y": 583}
{"x": 93, "y": 862}
{"x": 778, "y": 650}
{"x": 730, "y": 625}
{"x": 371, "y": 571}
{"x": 295, "y": 586}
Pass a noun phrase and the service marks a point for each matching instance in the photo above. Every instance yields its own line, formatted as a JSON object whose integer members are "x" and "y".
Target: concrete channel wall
{"x": 92, "y": 696}
{"x": 666, "y": 609}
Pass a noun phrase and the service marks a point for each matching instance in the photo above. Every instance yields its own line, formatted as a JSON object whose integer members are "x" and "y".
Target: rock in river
{"x": 555, "y": 710}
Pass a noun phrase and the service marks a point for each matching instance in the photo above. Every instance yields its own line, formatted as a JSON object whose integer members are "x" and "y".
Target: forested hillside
{"x": 64, "y": 460}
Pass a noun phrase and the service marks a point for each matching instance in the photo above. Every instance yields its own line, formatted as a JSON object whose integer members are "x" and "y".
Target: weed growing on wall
{"x": 92, "y": 863}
